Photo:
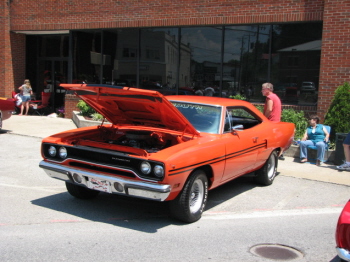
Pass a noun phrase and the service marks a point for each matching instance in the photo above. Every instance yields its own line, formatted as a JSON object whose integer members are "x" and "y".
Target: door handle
{"x": 255, "y": 139}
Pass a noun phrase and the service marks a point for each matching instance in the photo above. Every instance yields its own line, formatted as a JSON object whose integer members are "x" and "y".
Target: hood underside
{"x": 132, "y": 106}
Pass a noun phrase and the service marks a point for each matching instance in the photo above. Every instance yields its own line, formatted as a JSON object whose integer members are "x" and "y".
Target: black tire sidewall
{"x": 180, "y": 207}
{"x": 81, "y": 192}
{"x": 262, "y": 174}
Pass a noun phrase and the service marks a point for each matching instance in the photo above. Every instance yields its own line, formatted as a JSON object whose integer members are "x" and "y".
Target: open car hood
{"x": 132, "y": 106}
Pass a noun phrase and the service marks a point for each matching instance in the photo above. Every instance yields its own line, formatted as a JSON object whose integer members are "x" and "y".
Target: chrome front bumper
{"x": 126, "y": 187}
{"x": 343, "y": 253}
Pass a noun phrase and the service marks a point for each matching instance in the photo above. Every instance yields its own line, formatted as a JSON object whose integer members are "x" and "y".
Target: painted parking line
{"x": 271, "y": 213}
{"x": 47, "y": 189}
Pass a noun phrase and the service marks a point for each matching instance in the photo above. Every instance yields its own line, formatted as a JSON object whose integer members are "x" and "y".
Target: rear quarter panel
{"x": 343, "y": 228}
{"x": 7, "y": 106}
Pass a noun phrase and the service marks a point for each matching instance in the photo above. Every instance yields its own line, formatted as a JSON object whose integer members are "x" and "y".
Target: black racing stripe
{"x": 216, "y": 160}
{"x": 190, "y": 169}
{"x": 247, "y": 150}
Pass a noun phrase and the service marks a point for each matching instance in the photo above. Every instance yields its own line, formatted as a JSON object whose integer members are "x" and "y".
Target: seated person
{"x": 315, "y": 135}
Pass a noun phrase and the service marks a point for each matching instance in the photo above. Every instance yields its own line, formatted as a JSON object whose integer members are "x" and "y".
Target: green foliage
{"x": 260, "y": 108}
{"x": 298, "y": 119}
{"x": 338, "y": 115}
{"x": 85, "y": 109}
{"x": 239, "y": 97}
{"x": 97, "y": 117}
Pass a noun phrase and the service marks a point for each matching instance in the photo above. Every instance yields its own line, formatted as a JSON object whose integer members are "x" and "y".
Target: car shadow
{"x": 132, "y": 213}
{"x": 335, "y": 259}
{"x": 4, "y": 131}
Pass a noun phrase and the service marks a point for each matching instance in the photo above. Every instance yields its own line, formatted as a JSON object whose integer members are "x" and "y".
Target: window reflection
{"x": 125, "y": 44}
{"x": 245, "y": 58}
{"x": 297, "y": 48}
{"x": 87, "y": 57}
{"x": 201, "y": 63}
{"x": 53, "y": 46}
{"x": 158, "y": 59}
{"x": 229, "y": 59}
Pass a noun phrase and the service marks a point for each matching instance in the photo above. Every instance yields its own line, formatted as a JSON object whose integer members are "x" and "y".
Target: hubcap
{"x": 196, "y": 196}
{"x": 271, "y": 167}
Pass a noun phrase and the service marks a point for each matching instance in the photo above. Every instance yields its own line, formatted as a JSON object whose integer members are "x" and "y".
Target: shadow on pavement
{"x": 132, "y": 213}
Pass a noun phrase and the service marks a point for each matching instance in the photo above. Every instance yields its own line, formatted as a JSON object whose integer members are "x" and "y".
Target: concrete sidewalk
{"x": 43, "y": 126}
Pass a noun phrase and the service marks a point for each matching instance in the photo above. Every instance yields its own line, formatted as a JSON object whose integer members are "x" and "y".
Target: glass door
{"x": 52, "y": 72}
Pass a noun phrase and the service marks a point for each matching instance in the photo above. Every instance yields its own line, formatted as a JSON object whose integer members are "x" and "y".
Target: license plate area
{"x": 100, "y": 185}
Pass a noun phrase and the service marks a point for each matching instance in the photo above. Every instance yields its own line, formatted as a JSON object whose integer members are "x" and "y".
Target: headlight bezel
{"x": 152, "y": 170}
{"x": 145, "y": 167}
{"x": 62, "y": 152}
{"x": 53, "y": 150}
{"x": 158, "y": 171}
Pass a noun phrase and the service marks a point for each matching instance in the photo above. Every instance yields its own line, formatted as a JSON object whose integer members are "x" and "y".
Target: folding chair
{"x": 328, "y": 128}
{"x": 40, "y": 106}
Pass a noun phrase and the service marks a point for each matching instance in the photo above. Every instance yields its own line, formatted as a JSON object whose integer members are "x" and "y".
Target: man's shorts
{"x": 347, "y": 140}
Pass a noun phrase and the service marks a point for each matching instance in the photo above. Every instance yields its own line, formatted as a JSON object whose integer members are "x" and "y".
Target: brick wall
{"x": 335, "y": 55}
{"x": 70, "y": 105}
{"x": 86, "y": 14}
{"x": 12, "y": 54}
{"x": 83, "y": 14}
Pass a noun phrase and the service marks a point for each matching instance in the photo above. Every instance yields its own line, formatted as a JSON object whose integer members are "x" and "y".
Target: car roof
{"x": 209, "y": 100}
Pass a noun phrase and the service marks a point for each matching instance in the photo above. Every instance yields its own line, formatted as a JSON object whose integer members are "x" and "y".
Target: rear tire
{"x": 267, "y": 173}
{"x": 190, "y": 203}
{"x": 81, "y": 192}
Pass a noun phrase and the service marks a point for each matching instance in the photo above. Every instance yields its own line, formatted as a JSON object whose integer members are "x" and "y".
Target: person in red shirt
{"x": 272, "y": 108}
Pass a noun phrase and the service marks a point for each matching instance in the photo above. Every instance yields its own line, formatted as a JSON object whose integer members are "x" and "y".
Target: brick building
{"x": 228, "y": 44}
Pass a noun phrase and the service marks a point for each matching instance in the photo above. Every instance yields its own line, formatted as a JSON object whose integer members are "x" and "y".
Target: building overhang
{"x": 53, "y": 32}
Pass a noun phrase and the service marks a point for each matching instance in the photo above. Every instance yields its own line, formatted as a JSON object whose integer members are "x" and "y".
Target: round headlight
{"x": 62, "y": 152}
{"x": 159, "y": 171}
{"x": 52, "y": 151}
{"x": 145, "y": 167}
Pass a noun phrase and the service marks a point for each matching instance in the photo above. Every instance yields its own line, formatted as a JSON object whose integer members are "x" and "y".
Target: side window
{"x": 240, "y": 116}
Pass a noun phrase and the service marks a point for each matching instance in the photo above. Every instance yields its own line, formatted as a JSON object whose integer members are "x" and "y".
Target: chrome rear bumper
{"x": 126, "y": 187}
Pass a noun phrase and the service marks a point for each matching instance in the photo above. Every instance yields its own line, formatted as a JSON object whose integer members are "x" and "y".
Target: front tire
{"x": 81, "y": 192}
{"x": 190, "y": 203}
{"x": 267, "y": 173}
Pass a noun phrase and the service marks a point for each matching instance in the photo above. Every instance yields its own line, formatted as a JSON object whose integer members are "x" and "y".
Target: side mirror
{"x": 238, "y": 128}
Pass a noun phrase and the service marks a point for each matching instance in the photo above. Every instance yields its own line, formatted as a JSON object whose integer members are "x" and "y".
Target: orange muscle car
{"x": 172, "y": 148}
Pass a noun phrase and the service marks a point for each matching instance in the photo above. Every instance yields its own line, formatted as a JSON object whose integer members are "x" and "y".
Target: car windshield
{"x": 204, "y": 118}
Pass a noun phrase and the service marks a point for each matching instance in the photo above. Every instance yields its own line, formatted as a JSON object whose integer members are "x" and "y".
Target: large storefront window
{"x": 246, "y": 59}
{"x": 87, "y": 57}
{"x": 203, "y": 54}
{"x": 230, "y": 59}
{"x": 120, "y": 50}
{"x": 159, "y": 58}
{"x": 47, "y": 66}
{"x": 296, "y": 52}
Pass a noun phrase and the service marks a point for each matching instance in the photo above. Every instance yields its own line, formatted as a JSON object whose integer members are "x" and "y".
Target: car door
{"x": 242, "y": 143}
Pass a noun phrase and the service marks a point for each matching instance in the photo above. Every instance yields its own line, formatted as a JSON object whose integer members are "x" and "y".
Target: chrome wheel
{"x": 271, "y": 165}
{"x": 196, "y": 198}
